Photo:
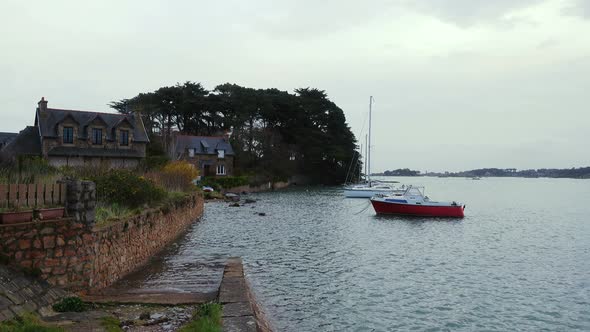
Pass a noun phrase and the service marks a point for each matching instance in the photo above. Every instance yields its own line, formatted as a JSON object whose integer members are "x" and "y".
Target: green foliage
{"x": 111, "y": 324}
{"x": 275, "y": 133}
{"x": 225, "y": 182}
{"x": 125, "y": 188}
{"x": 26, "y": 323}
{"x": 154, "y": 162}
{"x": 206, "y": 319}
{"x": 70, "y": 304}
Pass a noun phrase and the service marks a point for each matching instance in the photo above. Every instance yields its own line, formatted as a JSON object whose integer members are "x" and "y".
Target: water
{"x": 519, "y": 260}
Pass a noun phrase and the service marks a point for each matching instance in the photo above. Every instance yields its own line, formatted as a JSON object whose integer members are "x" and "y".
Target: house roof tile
{"x": 203, "y": 144}
{"x": 49, "y": 120}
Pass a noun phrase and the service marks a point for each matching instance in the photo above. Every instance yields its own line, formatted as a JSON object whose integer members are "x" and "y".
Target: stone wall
{"x": 75, "y": 253}
{"x": 122, "y": 247}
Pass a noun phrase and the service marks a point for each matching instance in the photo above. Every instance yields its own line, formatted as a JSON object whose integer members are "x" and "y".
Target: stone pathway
{"x": 147, "y": 311}
{"x": 20, "y": 293}
{"x": 238, "y": 315}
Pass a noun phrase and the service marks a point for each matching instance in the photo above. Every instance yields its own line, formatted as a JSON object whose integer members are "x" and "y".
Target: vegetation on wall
{"x": 274, "y": 133}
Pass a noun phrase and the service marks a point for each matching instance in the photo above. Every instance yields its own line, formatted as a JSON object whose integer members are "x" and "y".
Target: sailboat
{"x": 371, "y": 188}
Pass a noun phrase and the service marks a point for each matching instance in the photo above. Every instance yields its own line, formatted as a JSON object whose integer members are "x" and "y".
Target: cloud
{"x": 579, "y": 8}
{"x": 466, "y": 13}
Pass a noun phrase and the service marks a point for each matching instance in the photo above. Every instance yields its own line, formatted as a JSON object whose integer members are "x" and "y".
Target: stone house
{"x": 82, "y": 138}
{"x": 211, "y": 155}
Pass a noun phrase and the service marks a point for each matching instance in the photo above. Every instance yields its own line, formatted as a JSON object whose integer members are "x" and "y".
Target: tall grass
{"x": 206, "y": 319}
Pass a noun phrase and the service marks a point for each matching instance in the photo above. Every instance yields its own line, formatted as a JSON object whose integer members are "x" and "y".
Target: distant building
{"x": 82, "y": 138}
{"x": 211, "y": 155}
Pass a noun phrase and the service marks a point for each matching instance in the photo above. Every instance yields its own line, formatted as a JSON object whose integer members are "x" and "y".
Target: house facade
{"x": 82, "y": 138}
{"x": 211, "y": 155}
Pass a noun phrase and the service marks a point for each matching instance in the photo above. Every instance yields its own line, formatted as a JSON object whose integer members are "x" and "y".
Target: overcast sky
{"x": 458, "y": 84}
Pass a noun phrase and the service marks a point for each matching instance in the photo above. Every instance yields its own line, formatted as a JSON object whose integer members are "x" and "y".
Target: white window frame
{"x": 221, "y": 154}
{"x": 191, "y": 153}
{"x": 220, "y": 170}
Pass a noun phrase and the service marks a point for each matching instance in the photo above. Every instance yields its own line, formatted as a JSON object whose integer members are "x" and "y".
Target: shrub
{"x": 175, "y": 176}
{"x": 70, "y": 304}
{"x": 124, "y": 187}
{"x": 155, "y": 162}
{"x": 225, "y": 182}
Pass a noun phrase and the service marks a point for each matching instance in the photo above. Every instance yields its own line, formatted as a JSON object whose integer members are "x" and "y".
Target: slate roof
{"x": 53, "y": 116}
{"x": 26, "y": 142}
{"x": 199, "y": 143}
{"x": 5, "y": 138}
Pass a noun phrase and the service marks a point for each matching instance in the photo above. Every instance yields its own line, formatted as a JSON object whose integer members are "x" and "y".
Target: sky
{"x": 458, "y": 84}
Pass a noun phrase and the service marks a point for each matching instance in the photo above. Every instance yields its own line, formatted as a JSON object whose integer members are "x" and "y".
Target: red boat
{"x": 413, "y": 203}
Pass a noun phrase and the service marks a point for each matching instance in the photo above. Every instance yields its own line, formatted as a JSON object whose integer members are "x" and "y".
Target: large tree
{"x": 275, "y": 134}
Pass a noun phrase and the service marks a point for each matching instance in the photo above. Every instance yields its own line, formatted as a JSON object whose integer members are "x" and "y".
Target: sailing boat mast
{"x": 369, "y": 142}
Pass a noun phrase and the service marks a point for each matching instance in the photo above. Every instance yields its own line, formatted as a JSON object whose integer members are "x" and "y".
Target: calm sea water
{"x": 520, "y": 260}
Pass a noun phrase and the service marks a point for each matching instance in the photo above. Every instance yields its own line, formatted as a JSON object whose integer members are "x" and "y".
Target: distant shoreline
{"x": 552, "y": 173}
{"x": 490, "y": 176}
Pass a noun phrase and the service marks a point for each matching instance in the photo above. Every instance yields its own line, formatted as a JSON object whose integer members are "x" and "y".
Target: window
{"x": 220, "y": 169}
{"x": 96, "y": 136}
{"x": 124, "y": 138}
{"x": 191, "y": 152}
{"x": 68, "y": 135}
{"x": 220, "y": 154}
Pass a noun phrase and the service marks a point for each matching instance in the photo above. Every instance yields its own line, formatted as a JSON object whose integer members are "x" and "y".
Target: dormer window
{"x": 220, "y": 154}
{"x": 68, "y": 135}
{"x": 96, "y": 136}
{"x": 124, "y": 138}
{"x": 191, "y": 153}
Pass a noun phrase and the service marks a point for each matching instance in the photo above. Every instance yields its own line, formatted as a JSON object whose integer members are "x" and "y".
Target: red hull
{"x": 418, "y": 210}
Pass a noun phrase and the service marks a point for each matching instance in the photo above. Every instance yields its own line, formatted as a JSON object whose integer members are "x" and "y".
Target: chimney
{"x": 227, "y": 135}
{"x": 42, "y": 105}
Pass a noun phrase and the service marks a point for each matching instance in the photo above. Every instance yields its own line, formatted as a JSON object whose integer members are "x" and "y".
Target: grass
{"x": 26, "y": 323}
{"x": 111, "y": 324}
{"x": 112, "y": 212}
{"x": 206, "y": 319}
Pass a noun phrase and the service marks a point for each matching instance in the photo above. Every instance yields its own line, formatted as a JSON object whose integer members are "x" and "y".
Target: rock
{"x": 262, "y": 214}
{"x": 235, "y": 205}
{"x": 249, "y": 200}
{"x": 145, "y": 315}
{"x": 156, "y": 316}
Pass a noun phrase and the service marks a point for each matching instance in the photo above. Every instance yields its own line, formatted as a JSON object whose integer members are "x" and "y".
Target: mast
{"x": 369, "y": 142}
{"x": 366, "y": 159}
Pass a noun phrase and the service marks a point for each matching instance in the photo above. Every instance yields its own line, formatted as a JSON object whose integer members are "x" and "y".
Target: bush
{"x": 175, "y": 176}
{"x": 70, "y": 304}
{"x": 226, "y": 182}
{"x": 155, "y": 162}
{"x": 125, "y": 188}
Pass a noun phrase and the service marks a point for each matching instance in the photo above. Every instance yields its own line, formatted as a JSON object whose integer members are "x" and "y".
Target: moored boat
{"x": 413, "y": 202}
{"x": 370, "y": 191}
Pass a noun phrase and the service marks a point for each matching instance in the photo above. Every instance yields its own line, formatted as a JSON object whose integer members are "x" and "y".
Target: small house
{"x": 211, "y": 155}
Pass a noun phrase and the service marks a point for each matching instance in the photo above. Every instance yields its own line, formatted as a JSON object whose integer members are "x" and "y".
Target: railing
{"x": 31, "y": 195}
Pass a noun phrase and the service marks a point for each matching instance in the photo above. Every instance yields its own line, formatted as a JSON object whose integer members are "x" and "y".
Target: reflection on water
{"x": 520, "y": 260}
